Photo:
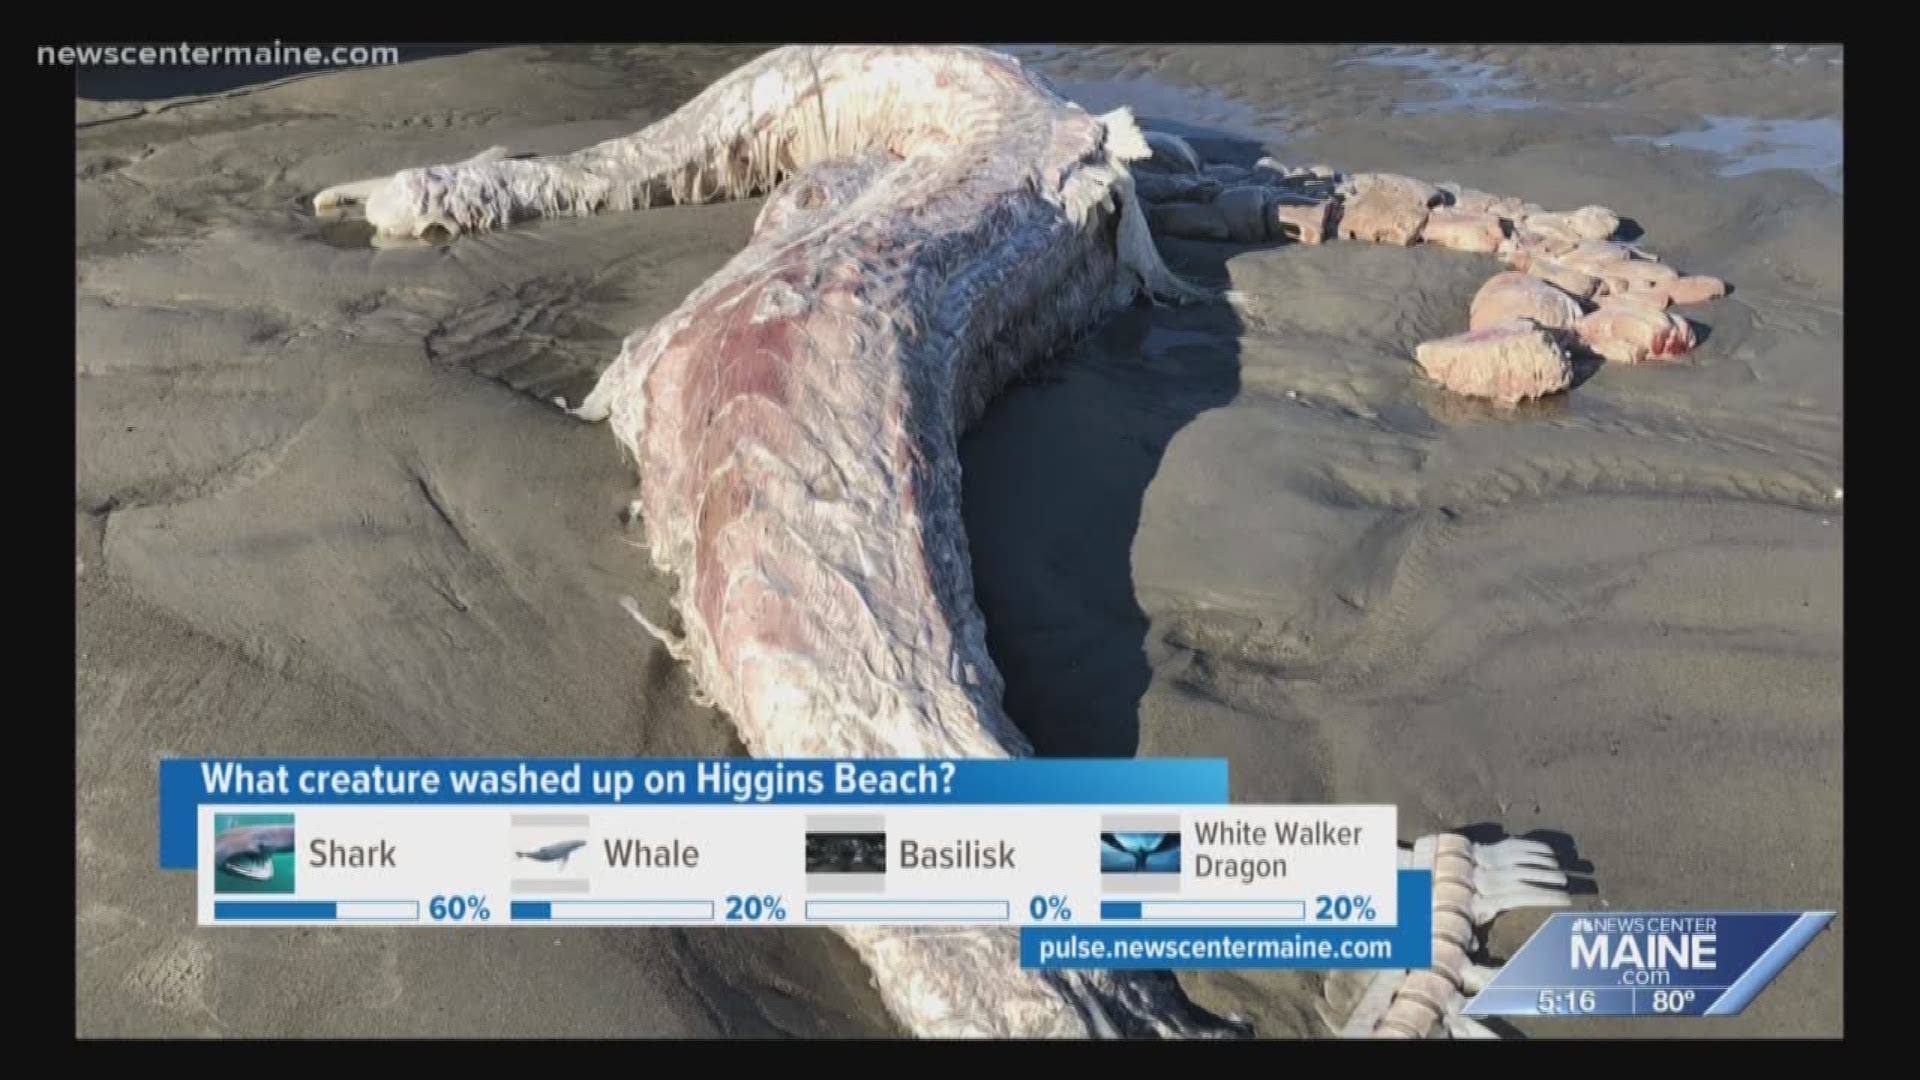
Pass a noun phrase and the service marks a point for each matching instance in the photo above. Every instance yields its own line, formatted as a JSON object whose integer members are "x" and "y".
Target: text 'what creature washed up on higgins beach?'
{"x": 613, "y": 782}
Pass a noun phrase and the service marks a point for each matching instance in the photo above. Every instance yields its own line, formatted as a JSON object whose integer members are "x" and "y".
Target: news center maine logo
{"x": 1682, "y": 963}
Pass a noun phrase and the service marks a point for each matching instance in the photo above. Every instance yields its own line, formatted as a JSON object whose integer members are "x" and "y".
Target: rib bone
{"x": 1483, "y": 880}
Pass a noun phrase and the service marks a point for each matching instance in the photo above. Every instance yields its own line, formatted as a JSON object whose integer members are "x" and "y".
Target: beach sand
{"x": 324, "y": 506}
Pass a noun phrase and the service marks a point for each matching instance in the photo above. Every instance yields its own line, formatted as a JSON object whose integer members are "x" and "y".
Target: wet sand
{"x": 323, "y": 506}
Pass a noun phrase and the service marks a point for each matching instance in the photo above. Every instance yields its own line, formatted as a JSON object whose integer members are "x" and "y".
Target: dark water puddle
{"x": 354, "y": 234}
{"x": 1465, "y": 85}
{"x": 1748, "y": 145}
{"x": 349, "y": 233}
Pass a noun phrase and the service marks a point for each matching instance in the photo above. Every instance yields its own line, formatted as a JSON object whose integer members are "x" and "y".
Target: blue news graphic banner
{"x": 1682, "y": 963}
{"x": 186, "y": 784}
{"x": 1193, "y": 948}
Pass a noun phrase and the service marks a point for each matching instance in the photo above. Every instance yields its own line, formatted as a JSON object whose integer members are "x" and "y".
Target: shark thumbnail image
{"x": 846, "y": 854}
{"x": 1140, "y": 854}
{"x": 253, "y": 853}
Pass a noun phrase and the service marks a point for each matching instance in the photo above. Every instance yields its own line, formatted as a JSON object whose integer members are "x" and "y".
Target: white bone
{"x": 1475, "y": 977}
{"x": 1486, "y": 880}
{"x": 1433, "y": 990}
{"x": 1364, "y": 1018}
{"x": 1412, "y": 1016}
{"x": 341, "y": 196}
{"x": 1473, "y": 883}
{"x": 1488, "y": 905}
{"x": 676, "y": 646}
{"x": 1454, "y": 927}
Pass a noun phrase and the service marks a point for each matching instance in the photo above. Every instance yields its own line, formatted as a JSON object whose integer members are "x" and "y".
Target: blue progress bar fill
{"x": 323, "y": 911}
{"x": 613, "y": 911}
{"x": 273, "y": 909}
{"x": 1119, "y": 909}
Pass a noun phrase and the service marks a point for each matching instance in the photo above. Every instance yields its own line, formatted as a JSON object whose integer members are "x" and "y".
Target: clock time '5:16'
{"x": 1566, "y": 1002}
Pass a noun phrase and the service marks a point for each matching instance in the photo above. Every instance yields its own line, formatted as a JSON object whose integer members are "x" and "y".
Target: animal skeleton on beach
{"x": 939, "y": 220}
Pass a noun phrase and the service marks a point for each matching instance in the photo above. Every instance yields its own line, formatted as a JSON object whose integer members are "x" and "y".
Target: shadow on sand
{"x": 1055, "y": 475}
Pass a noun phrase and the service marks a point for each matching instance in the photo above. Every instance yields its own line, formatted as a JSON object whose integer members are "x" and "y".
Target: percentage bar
{"x": 376, "y": 911}
{"x": 316, "y": 911}
{"x": 959, "y": 911}
{"x": 674, "y": 911}
{"x": 1252, "y": 911}
{"x": 274, "y": 910}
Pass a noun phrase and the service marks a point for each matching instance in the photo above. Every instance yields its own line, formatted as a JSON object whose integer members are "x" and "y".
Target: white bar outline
{"x": 376, "y": 911}
{"x": 1220, "y": 911}
{"x": 628, "y": 910}
{"x": 854, "y": 911}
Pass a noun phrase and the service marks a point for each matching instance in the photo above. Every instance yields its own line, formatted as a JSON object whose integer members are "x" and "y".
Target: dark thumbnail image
{"x": 1139, "y": 852}
{"x": 846, "y": 853}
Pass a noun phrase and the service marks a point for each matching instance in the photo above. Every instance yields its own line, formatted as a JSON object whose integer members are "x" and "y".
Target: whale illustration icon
{"x": 559, "y": 852}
